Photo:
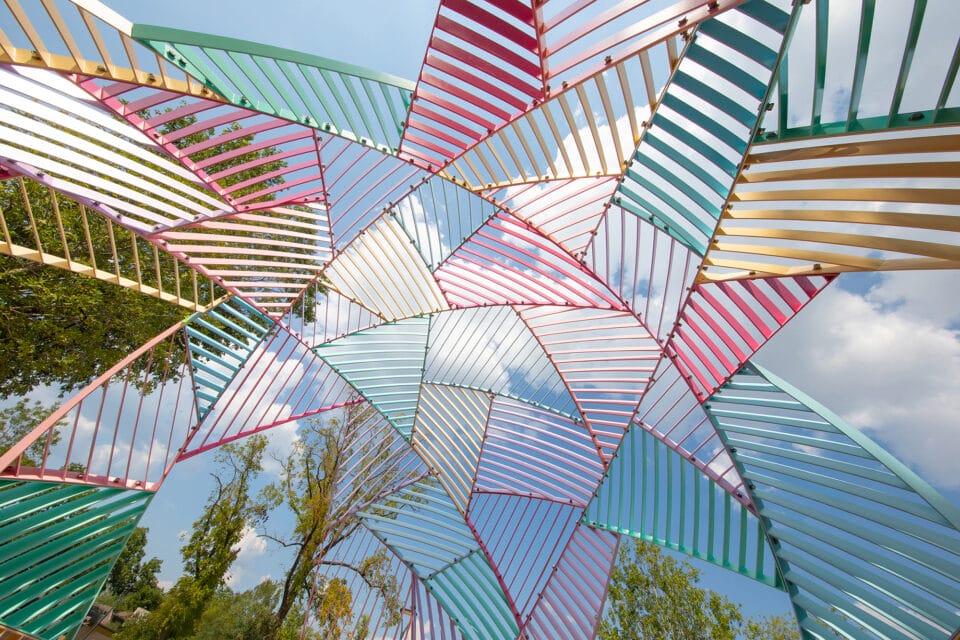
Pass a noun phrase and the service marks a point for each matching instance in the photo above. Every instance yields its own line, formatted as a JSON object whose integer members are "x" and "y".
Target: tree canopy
{"x": 652, "y": 596}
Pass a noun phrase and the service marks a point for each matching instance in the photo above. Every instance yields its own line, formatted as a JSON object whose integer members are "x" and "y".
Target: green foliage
{"x": 654, "y": 597}
{"x": 17, "y": 421}
{"x": 132, "y": 581}
{"x": 211, "y": 548}
{"x": 771, "y": 628}
{"x": 310, "y": 477}
{"x": 239, "y": 616}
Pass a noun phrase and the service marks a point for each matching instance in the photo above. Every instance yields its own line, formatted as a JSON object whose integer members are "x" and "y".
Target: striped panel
{"x": 359, "y": 104}
{"x": 653, "y": 493}
{"x": 60, "y": 542}
{"x": 872, "y": 202}
{"x": 377, "y": 607}
{"x": 554, "y": 140}
{"x": 486, "y": 614}
{"x": 566, "y": 211}
{"x": 362, "y": 184}
{"x": 508, "y": 262}
{"x": 580, "y": 40}
{"x": 569, "y": 607}
{"x": 91, "y": 161}
{"x": 221, "y": 341}
{"x": 865, "y": 545}
{"x": 386, "y": 365}
{"x": 447, "y": 434}
{"x": 645, "y": 267}
{"x": 320, "y": 315}
{"x": 532, "y": 452}
{"x": 383, "y": 271}
{"x": 430, "y": 621}
{"x": 44, "y": 226}
{"x": 250, "y": 161}
{"x": 122, "y": 430}
{"x": 268, "y": 256}
{"x": 422, "y": 525}
{"x": 482, "y": 64}
{"x": 606, "y": 360}
{"x": 438, "y": 216}
{"x": 723, "y": 324}
{"x": 915, "y": 88}
{"x": 280, "y": 382}
{"x": 672, "y": 413}
{"x": 75, "y": 41}
{"x": 523, "y": 537}
{"x": 490, "y": 349}
{"x": 681, "y": 175}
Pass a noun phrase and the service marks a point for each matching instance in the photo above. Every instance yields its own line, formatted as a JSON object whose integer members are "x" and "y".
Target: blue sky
{"x": 881, "y": 350}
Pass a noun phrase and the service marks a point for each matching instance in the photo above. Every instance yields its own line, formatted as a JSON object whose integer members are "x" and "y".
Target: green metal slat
{"x": 739, "y": 41}
{"x": 913, "y": 35}
{"x": 820, "y": 64}
{"x": 867, "y": 574}
{"x": 867, "y": 10}
{"x": 817, "y": 460}
{"x": 697, "y": 145}
{"x": 681, "y": 184}
{"x": 245, "y": 98}
{"x": 724, "y": 135}
{"x": 658, "y": 220}
{"x": 671, "y": 202}
{"x": 899, "y": 570}
{"x": 328, "y": 79}
{"x": 714, "y": 98}
{"x": 767, "y": 14}
{"x": 726, "y": 70}
{"x": 850, "y": 488}
{"x": 267, "y": 67}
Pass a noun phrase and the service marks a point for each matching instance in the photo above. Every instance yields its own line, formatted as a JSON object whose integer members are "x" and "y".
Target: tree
{"x": 17, "y": 421}
{"x": 771, "y": 628}
{"x": 132, "y": 581}
{"x": 316, "y": 472}
{"x": 654, "y": 597}
{"x": 212, "y": 546}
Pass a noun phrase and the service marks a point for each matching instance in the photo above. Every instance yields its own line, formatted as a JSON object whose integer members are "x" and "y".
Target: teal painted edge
{"x": 64, "y": 627}
{"x": 169, "y": 35}
{"x": 924, "y": 490}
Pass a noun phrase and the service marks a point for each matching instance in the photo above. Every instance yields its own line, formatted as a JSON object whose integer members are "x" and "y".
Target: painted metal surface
{"x": 543, "y": 267}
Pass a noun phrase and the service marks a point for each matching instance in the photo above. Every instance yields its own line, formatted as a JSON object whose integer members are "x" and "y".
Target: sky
{"x": 883, "y": 351}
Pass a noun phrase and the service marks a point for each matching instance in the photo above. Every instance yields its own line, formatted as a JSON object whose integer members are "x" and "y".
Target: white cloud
{"x": 886, "y": 362}
{"x": 250, "y": 547}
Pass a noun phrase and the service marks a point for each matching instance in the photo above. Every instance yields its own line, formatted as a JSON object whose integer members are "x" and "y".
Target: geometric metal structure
{"x": 545, "y": 264}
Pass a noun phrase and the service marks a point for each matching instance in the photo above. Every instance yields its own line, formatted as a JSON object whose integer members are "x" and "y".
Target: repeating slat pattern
{"x": 124, "y": 429}
{"x": 511, "y": 273}
{"x": 447, "y": 434}
{"x": 60, "y": 542}
{"x": 569, "y": 607}
{"x": 606, "y": 359}
{"x": 524, "y": 538}
{"x": 382, "y": 271}
{"x": 530, "y": 452}
{"x": 361, "y": 105}
{"x": 681, "y": 175}
{"x": 385, "y": 364}
{"x": 914, "y": 88}
{"x": 817, "y": 484}
{"x": 508, "y": 262}
{"x": 723, "y": 324}
{"x": 652, "y": 492}
{"x": 281, "y": 381}
{"x": 873, "y": 202}
{"x": 221, "y": 341}
{"x": 482, "y": 64}
{"x": 41, "y": 225}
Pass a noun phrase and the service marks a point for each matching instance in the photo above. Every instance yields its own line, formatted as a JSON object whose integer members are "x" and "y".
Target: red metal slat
{"x": 464, "y": 33}
{"x": 496, "y": 24}
{"x": 486, "y": 66}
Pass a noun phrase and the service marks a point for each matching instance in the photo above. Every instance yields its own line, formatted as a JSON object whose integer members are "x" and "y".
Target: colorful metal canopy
{"x": 545, "y": 264}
